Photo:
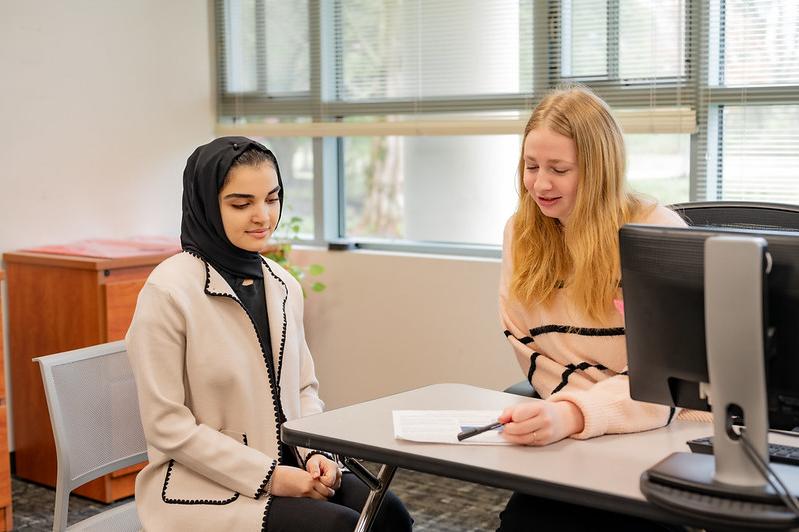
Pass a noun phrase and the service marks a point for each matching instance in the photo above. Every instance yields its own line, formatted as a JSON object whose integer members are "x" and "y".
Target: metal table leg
{"x": 376, "y": 495}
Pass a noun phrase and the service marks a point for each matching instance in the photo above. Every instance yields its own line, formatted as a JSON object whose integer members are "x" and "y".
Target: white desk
{"x": 602, "y": 472}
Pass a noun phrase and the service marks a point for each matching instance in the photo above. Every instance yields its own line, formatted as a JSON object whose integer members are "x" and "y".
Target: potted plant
{"x": 280, "y": 252}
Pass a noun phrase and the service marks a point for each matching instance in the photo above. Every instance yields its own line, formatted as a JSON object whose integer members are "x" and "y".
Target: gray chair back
{"x": 740, "y": 214}
{"x": 94, "y": 411}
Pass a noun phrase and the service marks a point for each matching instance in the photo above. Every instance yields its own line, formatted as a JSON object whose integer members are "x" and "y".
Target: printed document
{"x": 443, "y": 426}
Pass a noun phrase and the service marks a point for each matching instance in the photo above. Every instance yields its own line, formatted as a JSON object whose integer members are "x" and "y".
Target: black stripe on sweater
{"x": 524, "y": 339}
{"x": 582, "y": 331}
{"x": 532, "y": 367}
{"x": 571, "y": 368}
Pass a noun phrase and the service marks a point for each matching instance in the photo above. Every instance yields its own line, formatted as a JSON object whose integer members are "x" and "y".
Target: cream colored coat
{"x": 208, "y": 411}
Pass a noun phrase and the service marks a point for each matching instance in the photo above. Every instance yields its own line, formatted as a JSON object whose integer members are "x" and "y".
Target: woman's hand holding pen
{"x": 540, "y": 422}
{"x": 294, "y": 482}
{"x": 325, "y": 470}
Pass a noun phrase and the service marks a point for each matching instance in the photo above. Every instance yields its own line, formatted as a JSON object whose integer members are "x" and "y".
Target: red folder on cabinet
{"x": 114, "y": 249}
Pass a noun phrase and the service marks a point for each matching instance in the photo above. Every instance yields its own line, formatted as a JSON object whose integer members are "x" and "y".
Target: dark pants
{"x": 339, "y": 513}
{"x": 525, "y": 512}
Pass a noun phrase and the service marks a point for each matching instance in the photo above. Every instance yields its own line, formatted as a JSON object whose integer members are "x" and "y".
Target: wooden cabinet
{"x": 58, "y": 303}
{"x": 6, "y": 519}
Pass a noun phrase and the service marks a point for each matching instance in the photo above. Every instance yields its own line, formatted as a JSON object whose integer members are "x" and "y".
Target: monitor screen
{"x": 663, "y": 290}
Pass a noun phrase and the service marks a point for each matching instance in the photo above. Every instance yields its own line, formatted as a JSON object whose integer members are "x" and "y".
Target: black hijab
{"x": 201, "y": 230}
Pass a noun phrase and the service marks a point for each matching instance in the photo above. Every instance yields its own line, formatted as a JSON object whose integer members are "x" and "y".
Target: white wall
{"x": 101, "y": 102}
{"x": 389, "y": 322}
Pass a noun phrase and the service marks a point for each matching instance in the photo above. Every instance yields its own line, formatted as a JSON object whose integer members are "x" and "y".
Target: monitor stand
{"x": 726, "y": 488}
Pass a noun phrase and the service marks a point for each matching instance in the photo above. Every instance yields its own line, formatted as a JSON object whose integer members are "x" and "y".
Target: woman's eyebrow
{"x": 274, "y": 190}
{"x": 236, "y": 195}
{"x": 550, "y": 161}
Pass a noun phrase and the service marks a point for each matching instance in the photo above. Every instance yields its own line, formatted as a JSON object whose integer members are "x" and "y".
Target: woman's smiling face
{"x": 250, "y": 206}
{"x": 551, "y": 172}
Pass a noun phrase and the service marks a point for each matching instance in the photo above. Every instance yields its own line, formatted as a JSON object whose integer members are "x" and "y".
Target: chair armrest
{"x": 523, "y": 388}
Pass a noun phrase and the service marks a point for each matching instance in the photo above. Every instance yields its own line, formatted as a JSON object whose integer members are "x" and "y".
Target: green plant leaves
{"x": 318, "y": 287}
{"x": 282, "y": 253}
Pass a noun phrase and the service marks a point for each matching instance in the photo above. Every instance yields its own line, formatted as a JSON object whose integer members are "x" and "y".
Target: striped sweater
{"x": 569, "y": 357}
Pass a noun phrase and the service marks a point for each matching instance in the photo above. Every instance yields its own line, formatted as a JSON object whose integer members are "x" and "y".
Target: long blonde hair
{"x": 585, "y": 255}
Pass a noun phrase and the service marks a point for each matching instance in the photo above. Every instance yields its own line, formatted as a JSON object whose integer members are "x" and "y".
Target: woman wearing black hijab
{"x": 218, "y": 349}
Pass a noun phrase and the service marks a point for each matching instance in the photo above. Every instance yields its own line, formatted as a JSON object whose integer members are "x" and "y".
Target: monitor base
{"x": 683, "y": 483}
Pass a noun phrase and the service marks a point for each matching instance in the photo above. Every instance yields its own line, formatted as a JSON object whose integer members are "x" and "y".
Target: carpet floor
{"x": 436, "y": 504}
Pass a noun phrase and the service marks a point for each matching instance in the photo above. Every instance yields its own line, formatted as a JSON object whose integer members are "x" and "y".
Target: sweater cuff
{"x": 596, "y": 416}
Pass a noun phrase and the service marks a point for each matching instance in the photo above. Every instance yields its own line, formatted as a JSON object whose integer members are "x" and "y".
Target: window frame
{"x": 699, "y": 87}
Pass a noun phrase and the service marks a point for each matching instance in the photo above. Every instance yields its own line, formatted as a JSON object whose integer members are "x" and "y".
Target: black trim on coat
{"x": 274, "y": 384}
{"x": 262, "y": 488}
{"x": 313, "y": 452}
{"x": 216, "y": 502}
{"x": 266, "y": 514}
{"x": 285, "y": 324}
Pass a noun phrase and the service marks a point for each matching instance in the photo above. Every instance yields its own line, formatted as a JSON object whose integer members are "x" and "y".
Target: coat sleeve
{"x": 156, "y": 344}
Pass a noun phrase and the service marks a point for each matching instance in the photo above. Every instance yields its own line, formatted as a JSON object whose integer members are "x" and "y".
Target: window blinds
{"x": 749, "y": 102}
{"x": 429, "y": 65}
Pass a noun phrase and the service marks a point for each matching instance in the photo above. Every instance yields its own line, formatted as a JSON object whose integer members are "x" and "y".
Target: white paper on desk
{"x": 443, "y": 426}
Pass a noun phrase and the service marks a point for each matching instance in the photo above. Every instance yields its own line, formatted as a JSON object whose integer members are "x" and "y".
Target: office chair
{"x": 94, "y": 411}
{"x": 740, "y": 214}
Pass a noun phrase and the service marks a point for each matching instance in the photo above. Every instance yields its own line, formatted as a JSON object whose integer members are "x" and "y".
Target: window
{"x": 399, "y": 120}
{"x": 759, "y": 42}
{"x": 457, "y": 189}
{"x": 747, "y": 136}
{"x": 658, "y": 165}
{"x": 295, "y": 157}
{"x": 420, "y": 50}
{"x": 760, "y": 155}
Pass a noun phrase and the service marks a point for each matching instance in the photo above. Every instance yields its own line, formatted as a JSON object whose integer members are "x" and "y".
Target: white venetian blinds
{"x": 422, "y": 50}
{"x": 751, "y": 93}
{"x": 634, "y": 53}
{"x": 468, "y": 62}
{"x": 263, "y": 50}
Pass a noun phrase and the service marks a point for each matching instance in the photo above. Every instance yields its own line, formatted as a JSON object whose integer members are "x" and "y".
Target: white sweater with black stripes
{"x": 569, "y": 357}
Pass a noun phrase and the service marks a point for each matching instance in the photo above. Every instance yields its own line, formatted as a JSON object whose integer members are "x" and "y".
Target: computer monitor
{"x": 663, "y": 284}
{"x": 716, "y": 311}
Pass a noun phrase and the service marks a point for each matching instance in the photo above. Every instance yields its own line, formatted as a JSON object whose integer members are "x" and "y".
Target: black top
{"x": 253, "y": 298}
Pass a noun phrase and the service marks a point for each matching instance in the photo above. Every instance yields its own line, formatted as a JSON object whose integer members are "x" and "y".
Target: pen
{"x": 478, "y": 430}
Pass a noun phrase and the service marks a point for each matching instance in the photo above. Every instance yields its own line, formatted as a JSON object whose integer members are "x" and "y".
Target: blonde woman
{"x": 560, "y": 277}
